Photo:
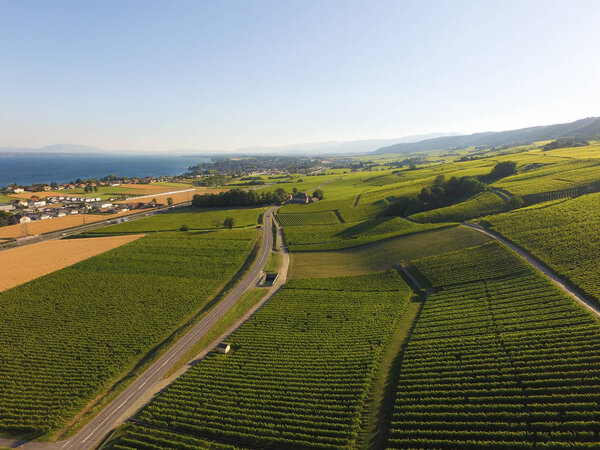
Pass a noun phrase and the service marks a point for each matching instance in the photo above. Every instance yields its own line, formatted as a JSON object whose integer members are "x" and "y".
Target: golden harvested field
{"x": 36, "y": 260}
{"x": 56, "y": 224}
{"x": 179, "y": 197}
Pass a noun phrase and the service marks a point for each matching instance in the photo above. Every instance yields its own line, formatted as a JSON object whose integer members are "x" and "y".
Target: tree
{"x": 516, "y": 201}
{"x": 217, "y": 222}
{"x": 184, "y": 227}
{"x": 229, "y": 222}
{"x": 154, "y": 201}
{"x": 503, "y": 169}
{"x": 170, "y": 201}
{"x": 294, "y": 190}
{"x": 95, "y": 188}
{"x": 318, "y": 194}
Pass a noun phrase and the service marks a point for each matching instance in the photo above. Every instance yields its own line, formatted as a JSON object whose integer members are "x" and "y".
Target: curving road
{"x": 540, "y": 267}
{"x": 113, "y": 414}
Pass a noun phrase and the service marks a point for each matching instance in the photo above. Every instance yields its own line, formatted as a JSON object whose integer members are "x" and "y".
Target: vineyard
{"x": 66, "y": 336}
{"x": 308, "y": 218}
{"x": 481, "y": 204}
{"x": 563, "y": 235}
{"x": 553, "y": 177}
{"x": 470, "y": 264}
{"x": 498, "y": 359}
{"x": 297, "y": 377}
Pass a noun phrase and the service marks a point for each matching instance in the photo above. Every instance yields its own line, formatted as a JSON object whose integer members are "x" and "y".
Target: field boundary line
{"x": 542, "y": 268}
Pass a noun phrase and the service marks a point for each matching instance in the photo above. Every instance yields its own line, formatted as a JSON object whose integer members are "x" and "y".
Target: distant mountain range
{"x": 585, "y": 128}
{"x": 310, "y": 148}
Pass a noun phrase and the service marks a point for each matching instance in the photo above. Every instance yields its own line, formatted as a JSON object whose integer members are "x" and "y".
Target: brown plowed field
{"x": 23, "y": 264}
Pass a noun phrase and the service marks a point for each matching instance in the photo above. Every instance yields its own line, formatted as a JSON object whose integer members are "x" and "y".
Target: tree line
{"x": 239, "y": 197}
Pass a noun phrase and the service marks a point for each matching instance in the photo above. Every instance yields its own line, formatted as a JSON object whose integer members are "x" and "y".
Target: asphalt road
{"x": 562, "y": 284}
{"x": 112, "y": 415}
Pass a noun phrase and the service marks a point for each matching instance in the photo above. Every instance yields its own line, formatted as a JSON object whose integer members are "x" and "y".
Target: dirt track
{"x": 35, "y": 260}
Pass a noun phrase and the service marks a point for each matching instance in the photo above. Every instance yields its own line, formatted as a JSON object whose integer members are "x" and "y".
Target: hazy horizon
{"x": 219, "y": 77}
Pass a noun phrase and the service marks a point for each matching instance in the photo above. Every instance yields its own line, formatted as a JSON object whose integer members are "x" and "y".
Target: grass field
{"x": 297, "y": 377}
{"x": 499, "y": 358}
{"x": 562, "y": 234}
{"x": 194, "y": 218}
{"x": 481, "y": 204}
{"x": 332, "y": 237}
{"x": 383, "y": 255}
{"x": 310, "y": 218}
{"x": 66, "y": 337}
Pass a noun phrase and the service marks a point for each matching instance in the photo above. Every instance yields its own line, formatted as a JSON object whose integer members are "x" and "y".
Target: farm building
{"x": 25, "y": 219}
{"x": 224, "y": 347}
{"x": 301, "y": 197}
{"x": 6, "y": 207}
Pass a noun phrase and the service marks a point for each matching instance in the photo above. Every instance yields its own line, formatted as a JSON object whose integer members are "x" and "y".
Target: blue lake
{"x": 62, "y": 168}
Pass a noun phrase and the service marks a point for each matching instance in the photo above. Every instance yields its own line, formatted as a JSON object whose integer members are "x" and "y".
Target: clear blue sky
{"x": 159, "y": 75}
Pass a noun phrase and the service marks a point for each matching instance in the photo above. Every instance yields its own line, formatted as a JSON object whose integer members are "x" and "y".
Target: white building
{"x": 18, "y": 190}
{"x": 6, "y": 207}
{"x": 25, "y": 219}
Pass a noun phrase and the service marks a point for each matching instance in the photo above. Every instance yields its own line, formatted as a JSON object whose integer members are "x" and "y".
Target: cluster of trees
{"x": 448, "y": 192}
{"x": 89, "y": 188}
{"x": 7, "y": 218}
{"x": 565, "y": 143}
{"x": 238, "y": 197}
{"x": 442, "y": 193}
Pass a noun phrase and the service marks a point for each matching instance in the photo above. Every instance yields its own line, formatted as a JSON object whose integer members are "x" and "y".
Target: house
{"x": 25, "y": 219}
{"x": 45, "y": 216}
{"x": 46, "y": 188}
{"x": 18, "y": 190}
{"x": 224, "y": 347}
{"x": 61, "y": 214}
{"x": 38, "y": 204}
{"x": 6, "y": 207}
{"x": 301, "y": 197}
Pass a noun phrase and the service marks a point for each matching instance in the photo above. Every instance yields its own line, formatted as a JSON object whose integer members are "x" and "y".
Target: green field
{"x": 383, "y": 255}
{"x": 481, "y": 204}
{"x": 194, "y": 218}
{"x": 65, "y": 337}
{"x": 332, "y": 237}
{"x": 562, "y": 234}
{"x": 308, "y": 218}
{"x": 552, "y": 177}
{"x": 499, "y": 358}
{"x": 298, "y": 375}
